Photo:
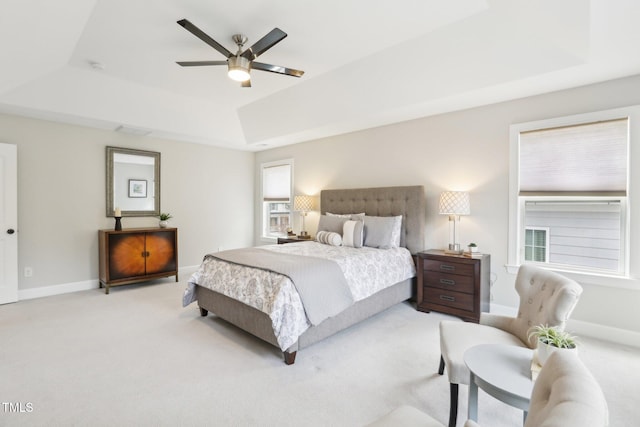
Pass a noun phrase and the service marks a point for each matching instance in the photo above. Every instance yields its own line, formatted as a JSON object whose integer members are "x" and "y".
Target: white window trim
{"x": 272, "y": 239}
{"x": 631, "y": 217}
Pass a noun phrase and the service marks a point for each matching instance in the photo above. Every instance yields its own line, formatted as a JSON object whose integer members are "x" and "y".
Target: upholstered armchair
{"x": 546, "y": 298}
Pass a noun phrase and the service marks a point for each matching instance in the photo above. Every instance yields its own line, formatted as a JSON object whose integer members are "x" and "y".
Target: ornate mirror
{"x": 133, "y": 182}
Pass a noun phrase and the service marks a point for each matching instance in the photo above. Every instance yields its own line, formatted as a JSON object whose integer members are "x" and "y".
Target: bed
{"x": 407, "y": 201}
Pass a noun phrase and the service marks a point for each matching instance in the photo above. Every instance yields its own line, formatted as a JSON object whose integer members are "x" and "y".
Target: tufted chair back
{"x": 546, "y": 298}
{"x": 566, "y": 394}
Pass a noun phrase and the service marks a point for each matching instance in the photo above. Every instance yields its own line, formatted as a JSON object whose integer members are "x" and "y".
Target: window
{"x": 276, "y": 198}
{"x": 535, "y": 244}
{"x": 568, "y": 193}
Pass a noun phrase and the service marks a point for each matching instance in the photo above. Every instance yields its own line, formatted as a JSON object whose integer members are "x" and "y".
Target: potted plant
{"x": 164, "y": 219}
{"x": 472, "y": 247}
{"x": 551, "y": 339}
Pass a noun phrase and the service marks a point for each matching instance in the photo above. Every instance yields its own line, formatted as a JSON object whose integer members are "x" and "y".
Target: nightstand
{"x": 453, "y": 284}
{"x": 292, "y": 239}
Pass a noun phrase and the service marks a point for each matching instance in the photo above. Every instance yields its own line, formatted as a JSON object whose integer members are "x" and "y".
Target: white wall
{"x": 465, "y": 150}
{"x": 210, "y": 191}
{"x": 61, "y": 198}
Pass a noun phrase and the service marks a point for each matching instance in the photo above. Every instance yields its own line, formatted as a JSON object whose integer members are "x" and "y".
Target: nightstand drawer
{"x": 448, "y": 267}
{"x": 449, "y": 282}
{"x": 449, "y": 299}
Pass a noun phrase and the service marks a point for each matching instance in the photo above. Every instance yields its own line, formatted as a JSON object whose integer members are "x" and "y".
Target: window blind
{"x": 585, "y": 159}
{"x": 276, "y": 183}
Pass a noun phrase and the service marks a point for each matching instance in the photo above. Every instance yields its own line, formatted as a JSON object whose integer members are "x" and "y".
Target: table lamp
{"x": 303, "y": 204}
{"x": 454, "y": 204}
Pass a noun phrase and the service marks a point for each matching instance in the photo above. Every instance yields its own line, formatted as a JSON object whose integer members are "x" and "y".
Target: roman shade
{"x": 276, "y": 183}
{"x": 586, "y": 159}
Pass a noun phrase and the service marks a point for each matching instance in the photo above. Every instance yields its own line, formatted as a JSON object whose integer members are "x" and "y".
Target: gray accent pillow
{"x": 331, "y": 223}
{"x": 382, "y": 231}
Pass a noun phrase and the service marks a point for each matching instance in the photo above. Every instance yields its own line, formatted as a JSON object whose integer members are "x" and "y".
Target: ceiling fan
{"x": 242, "y": 62}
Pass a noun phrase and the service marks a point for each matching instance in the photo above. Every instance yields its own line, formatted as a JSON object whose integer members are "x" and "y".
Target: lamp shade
{"x": 303, "y": 203}
{"x": 454, "y": 203}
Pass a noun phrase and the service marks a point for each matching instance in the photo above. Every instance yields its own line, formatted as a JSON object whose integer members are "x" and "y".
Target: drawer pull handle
{"x": 447, "y": 282}
{"x": 447, "y": 298}
{"x": 447, "y": 267}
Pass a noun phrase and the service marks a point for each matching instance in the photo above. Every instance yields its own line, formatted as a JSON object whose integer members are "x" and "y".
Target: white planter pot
{"x": 164, "y": 224}
{"x": 545, "y": 350}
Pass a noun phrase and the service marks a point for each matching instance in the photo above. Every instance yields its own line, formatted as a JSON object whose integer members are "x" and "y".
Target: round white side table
{"x": 502, "y": 371}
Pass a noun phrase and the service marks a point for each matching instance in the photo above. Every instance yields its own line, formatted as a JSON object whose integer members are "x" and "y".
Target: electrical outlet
{"x": 28, "y": 272}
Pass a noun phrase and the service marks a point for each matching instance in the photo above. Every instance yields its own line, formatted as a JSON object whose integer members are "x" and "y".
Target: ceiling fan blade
{"x": 264, "y": 44}
{"x": 246, "y": 83}
{"x": 276, "y": 69}
{"x": 200, "y": 63}
{"x": 204, "y": 37}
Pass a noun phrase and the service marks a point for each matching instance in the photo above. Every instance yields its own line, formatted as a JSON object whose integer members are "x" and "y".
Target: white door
{"x": 8, "y": 223}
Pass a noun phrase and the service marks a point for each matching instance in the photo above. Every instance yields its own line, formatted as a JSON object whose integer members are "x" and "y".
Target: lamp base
{"x": 454, "y": 249}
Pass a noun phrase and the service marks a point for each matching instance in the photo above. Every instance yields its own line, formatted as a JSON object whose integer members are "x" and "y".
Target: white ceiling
{"x": 367, "y": 63}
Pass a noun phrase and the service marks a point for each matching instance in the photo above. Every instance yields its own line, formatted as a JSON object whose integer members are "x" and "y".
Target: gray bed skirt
{"x": 259, "y": 324}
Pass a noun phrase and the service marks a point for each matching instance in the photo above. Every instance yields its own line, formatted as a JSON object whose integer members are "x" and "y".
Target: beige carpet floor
{"x": 137, "y": 358}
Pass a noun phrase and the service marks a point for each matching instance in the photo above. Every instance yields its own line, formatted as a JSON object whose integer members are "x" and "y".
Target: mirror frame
{"x": 109, "y": 195}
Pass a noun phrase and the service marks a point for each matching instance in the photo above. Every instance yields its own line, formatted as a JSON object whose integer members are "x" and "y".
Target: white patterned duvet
{"x": 367, "y": 270}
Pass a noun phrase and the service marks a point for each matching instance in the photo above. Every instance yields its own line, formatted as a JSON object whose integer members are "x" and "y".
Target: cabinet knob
{"x": 11, "y": 231}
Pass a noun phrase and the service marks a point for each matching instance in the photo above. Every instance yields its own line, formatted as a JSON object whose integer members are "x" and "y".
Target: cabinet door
{"x": 161, "y": 252}
{"x": 126, "y": 255}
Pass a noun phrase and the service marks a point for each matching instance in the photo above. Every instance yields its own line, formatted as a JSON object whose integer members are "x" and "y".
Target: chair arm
{"x": 496, "y": 321}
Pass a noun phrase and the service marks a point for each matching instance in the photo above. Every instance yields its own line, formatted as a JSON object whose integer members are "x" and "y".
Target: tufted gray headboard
{"x": 383, "y": 201}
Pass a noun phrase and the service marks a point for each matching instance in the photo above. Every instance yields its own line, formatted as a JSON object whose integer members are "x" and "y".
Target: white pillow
{"x": 329, "y": 238}
{"x": 352, "y": 234}
{"x": 345, "y": 215}
{"x": 352, "y": 217}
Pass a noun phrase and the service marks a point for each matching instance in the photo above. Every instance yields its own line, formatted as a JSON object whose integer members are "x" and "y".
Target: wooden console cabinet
{"x": 137, "y": 254}
{"x": 453, "y": 284}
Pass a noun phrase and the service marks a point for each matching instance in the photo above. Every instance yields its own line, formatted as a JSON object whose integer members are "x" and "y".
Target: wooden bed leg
{"x": 289, "y": 358}
{"x": 203, "y": 312}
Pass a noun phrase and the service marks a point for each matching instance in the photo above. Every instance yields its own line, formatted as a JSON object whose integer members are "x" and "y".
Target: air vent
{"x": 132, "y": 131}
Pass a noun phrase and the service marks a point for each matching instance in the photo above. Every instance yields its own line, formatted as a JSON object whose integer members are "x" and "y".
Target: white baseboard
{"x": 605, "y": 333}
{"x": 586, "y": 329}
{"x": 65, "y": 288}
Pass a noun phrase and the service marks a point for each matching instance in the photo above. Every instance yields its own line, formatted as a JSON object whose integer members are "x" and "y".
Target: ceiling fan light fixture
{"x": 239, "y": 68}
{"x": 240, "y": 64}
